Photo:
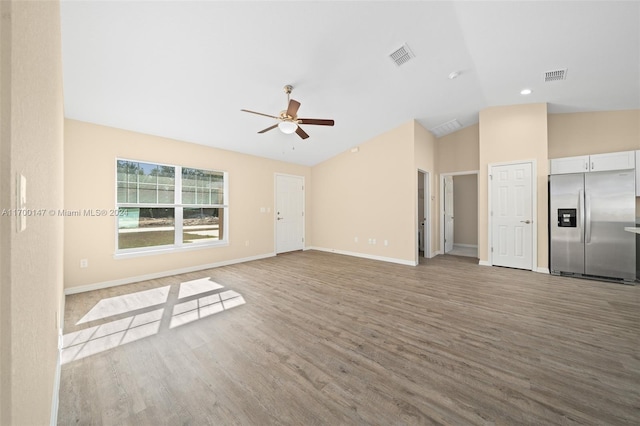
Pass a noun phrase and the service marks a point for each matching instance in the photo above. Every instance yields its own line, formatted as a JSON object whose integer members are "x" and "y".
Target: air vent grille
{"x": 555, "y": 75}
{"x": 402, "y": 55}
{"x": 446, "y": 128}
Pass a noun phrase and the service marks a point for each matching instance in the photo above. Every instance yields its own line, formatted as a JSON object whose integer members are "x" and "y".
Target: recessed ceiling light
{"x": 454, "y": 75}
{"x": 525, "y": 91}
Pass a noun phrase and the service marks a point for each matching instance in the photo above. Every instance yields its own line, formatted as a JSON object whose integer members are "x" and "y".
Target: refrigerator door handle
{"x": 581, "y": 214}
{"x": 587, "y": 218}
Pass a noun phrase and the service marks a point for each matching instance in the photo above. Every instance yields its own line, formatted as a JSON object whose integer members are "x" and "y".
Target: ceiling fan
{"x": 288, "y": 121}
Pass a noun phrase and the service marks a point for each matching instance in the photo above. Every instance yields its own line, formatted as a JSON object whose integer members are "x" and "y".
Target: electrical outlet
{"x": 246, "y": 243}
{"x": 355, "y": 239}
{"x": 84, "y": 263}
{"x": 386, "y": 243}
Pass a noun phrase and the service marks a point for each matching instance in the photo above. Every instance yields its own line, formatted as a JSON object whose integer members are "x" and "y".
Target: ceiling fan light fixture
{"x": 287, "y": 127}
{"x": 288, "y": 120}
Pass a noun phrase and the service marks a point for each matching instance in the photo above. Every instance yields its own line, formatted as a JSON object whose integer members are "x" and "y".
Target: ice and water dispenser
{"x": 567, "y": 218}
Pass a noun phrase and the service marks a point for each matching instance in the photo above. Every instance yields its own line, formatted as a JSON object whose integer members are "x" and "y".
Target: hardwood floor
{"x": 313, "y": 338}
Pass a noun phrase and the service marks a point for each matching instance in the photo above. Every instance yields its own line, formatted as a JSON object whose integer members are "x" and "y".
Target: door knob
{"x": 526, "y": 221}
{"x": 280, "y": 218}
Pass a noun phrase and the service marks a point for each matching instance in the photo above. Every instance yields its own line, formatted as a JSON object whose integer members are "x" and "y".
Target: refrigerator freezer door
{"x": 566, "y": 222}
{"x": 610, "y": 251}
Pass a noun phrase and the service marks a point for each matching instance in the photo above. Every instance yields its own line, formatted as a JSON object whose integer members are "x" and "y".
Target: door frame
{"x": 275, "y": 209}
{"x": 441, "y": 221}
{"x": 534, "y": 210}
{"x": 427, "y": 215}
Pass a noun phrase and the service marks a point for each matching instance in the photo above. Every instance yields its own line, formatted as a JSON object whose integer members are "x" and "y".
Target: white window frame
{"x": 178, "y": 207}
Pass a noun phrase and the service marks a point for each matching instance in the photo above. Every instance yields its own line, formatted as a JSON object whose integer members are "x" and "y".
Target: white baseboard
{"x": 475, "y": 246}
{"x": 538, "y": 269}
{"x": 55, "y": 400}
{"x": 366, "y": 256}
{"x": 129, "y": 280}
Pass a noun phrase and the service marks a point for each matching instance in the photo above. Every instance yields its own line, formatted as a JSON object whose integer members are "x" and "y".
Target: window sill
{"x": 167, "y": 250}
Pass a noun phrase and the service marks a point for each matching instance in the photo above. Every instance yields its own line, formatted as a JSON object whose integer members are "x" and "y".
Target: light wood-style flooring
{"x": 314, "y": 338}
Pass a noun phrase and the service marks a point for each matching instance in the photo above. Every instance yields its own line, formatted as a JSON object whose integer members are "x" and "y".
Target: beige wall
{"x": 90, "y": 154}
{"x": 368, "y": 194}
{"x": 508, "y": 134}
{"x": 465, "y": 204}
{"x": 459, "y": 151}
{"x": 32, "y": 143}
{"x": 593, "y": 133}
{"x": 5, "y": 200}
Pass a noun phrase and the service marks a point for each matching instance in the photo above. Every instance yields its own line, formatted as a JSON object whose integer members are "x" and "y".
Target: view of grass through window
{"x": 158, "y": 210}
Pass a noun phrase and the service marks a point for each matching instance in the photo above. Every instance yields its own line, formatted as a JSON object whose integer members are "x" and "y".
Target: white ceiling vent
{"x": 555, "y": 75}
{"x": 402, "y": 55}
{"x": 446, "y": 128}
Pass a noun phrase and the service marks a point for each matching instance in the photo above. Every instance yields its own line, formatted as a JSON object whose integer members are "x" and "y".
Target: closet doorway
{"x": 459, "y": 213}
{"x": 423, "y": 224}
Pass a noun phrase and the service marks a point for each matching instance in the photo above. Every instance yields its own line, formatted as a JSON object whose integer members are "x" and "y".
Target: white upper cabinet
{"x": 593, "y": 163}
{"x": 612, "y": 161}
{"x": 560, "y": 166}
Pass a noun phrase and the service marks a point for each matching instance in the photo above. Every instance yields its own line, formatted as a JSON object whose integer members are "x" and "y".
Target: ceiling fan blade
{"x": 301, "y": 133}
{"x": 259, "y": 113}
{"x": 268, "y": 128}
{"x": 292, "y": 109}
{"x": 316, "y": 121}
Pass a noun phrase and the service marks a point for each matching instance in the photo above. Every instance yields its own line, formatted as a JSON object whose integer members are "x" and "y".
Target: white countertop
{"x": 631, "y": 229}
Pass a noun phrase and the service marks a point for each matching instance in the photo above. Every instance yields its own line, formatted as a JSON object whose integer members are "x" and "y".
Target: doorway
{"x": 459, "y": 213}
{"x": 512, "y": 204}
{"x": 423, "y": 218}
{"x": 289, "y": 224}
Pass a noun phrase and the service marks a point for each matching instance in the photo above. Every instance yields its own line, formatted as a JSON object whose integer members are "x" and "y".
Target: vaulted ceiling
{"x": 185, "y": 69}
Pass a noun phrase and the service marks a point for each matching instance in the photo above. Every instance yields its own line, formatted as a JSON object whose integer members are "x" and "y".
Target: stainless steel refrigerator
{"x": 588, "y": 214}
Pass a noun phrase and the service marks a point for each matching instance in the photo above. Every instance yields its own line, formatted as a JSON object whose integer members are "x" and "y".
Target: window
{"x": 164, "y": 207}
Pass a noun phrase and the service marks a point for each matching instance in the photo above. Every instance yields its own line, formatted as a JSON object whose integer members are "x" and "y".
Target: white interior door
{"x": 512, "y": 215}
{"x": 421, "y": 216}
{"x": 448, "y": 213}
{"x": 289, "y": 213}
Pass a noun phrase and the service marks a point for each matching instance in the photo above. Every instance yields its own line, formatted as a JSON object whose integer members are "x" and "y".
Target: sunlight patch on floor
{"x": 202, "y": 285}
{"x": 126, "y": 303}
{"x": 196, "y": 309}
{"x": 93, "y": 340}
{"x": 150, "y": 312}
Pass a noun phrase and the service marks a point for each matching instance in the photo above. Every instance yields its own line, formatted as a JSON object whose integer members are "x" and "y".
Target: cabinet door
{"x": 612, "y": 161}
{"x": 565, "y": 165}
